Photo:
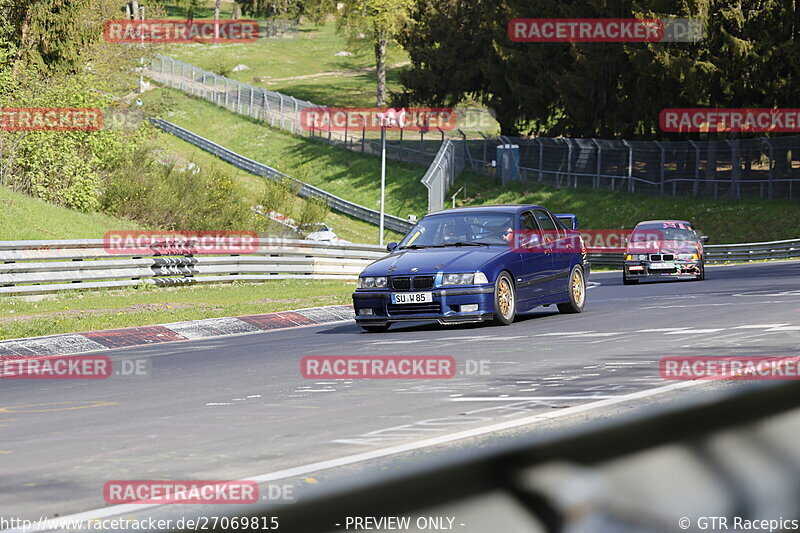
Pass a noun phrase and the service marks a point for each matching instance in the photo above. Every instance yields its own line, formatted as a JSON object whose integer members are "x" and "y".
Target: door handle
{"x": 548, "y": 251}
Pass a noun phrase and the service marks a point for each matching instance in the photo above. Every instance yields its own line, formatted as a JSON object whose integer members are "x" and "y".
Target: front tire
{"x": 376, "y": 329}
{"x": 627, "y": 281}
{"x": 702, "y": 275}
{"x": 577, "y": 292}
{"x": 505, "y": 300}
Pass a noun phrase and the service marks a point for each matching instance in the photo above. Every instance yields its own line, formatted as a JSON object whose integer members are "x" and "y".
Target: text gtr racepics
{"x": 473, "y": 264}
{"x": 659, "y": 249}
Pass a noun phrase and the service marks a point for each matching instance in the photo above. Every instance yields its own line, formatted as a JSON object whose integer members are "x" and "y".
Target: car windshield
{"x": 663, "y": 232}
{"x": 457, "y": 228}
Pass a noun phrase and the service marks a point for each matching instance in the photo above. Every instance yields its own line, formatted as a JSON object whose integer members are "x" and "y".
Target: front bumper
{"x": 645, "y": 270}
{"x": 445, "y": 307}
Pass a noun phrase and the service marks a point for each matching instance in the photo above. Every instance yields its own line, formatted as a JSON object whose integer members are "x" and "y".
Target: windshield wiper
{"x": 467, "y": 243}
{"x": 419, "y": 246}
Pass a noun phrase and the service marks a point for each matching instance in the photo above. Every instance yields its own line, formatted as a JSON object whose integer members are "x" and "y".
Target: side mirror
{"x": 704, "y": 239}
{"x": 391, "y": 247}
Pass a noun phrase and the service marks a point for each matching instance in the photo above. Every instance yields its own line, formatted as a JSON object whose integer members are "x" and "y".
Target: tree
{"x": 291, "y": 9}
{"x": 216, "y": 21}
{"x": 374, "y": 21}
{"x": 460, "y": 50}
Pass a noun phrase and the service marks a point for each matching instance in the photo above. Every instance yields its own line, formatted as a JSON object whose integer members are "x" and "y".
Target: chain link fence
{"x": 732, "y": 168}
{"x": 282, "y": 111}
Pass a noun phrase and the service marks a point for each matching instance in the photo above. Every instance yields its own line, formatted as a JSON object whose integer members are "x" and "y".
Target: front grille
{"x": 423, "y": 283}
{"x": 401, "y": 283}
{"x": 432, "y": 308}
{"x": 655, "y": 257}
{"x": 668, "y": 257}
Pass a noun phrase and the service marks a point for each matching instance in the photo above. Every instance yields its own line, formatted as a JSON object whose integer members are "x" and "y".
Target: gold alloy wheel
{"x": 505, "y": 298}
{"x": 577, "y": 288}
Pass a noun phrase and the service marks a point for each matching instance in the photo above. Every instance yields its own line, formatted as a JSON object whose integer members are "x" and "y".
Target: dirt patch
{"x": 340, "y": 73}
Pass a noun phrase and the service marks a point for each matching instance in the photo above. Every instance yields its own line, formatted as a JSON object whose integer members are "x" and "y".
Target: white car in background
{"x": 322, "y": 233}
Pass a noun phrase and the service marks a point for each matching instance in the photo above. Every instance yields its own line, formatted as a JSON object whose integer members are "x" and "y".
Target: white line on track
{"x": 760, "y": 326}
{"x": 563, "y": 333}
{"x": 309, "y": 468}
{"x": 659, "y": 330}
{"x": 694, "y": 331}
{"x": 526, "y": 398}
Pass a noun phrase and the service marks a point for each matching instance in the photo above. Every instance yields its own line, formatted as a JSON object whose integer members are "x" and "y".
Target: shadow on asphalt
{"x": 415, "y": 327}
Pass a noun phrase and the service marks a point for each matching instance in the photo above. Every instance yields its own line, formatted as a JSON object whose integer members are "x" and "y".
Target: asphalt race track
{"x": 238, "y": 407}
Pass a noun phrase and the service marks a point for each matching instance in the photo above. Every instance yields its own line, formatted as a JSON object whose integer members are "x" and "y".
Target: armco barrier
{"x": 35, "y": 267}
{"x": 725, "y": 253}
{"x": 305, "y": 190}
{"x": 674, "y": 466}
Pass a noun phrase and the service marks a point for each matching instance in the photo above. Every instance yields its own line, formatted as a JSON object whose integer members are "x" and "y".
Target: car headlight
{"x": 372, "y": 282}
{"x": 642, "y": 257}
{"x": 687, "y": 257}
{"x": 458, "y": 279}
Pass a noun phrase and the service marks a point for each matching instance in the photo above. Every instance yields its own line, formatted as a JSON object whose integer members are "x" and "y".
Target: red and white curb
{"x": 91, "y": 341}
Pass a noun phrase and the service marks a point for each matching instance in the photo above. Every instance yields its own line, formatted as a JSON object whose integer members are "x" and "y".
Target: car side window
{"x": 560, "y": 229}
{"x": 544, "y": 220}
{"x": 547, "y": 225}
{"x": 527, "y": 221}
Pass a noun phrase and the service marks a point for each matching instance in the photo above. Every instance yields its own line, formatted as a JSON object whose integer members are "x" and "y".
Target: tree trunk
{"x": 23, "y": 41}
{"x": 237, "y": 11}
{"x": 380, "y": 68}
{"x": 216, "y": 21}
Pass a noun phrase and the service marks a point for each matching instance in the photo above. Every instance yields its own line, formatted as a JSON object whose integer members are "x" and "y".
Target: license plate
{"x": 662, "y": 266}
{"x": 412, "y": 297}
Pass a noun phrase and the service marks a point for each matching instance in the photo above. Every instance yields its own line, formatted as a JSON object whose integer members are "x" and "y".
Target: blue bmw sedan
{"x": 474, "y": 264}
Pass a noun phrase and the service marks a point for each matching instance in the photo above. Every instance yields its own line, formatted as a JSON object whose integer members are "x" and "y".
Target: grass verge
{"x": 346, "y": 227}
{"x": 350, "y": 175}
{"x": 297, "y": 65}
{"x": 75, "y": 311}
{"x": 25, "y": 218}
{"x": 355, "y": 177}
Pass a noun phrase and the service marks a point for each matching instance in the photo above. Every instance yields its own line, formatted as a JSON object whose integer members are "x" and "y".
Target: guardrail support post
{"x": 734, "y": 169}
{"x": 485, "y": 148}
{"x": 569, "y": 163}
{"x": 296, "y": 118}
{"x": 661, "y": 168}
{"x": 630, "y": 165}
{"x": 599, "y": 150}
{"x": 772, "y": 169}
{"x": 696, "y": 184}
{"x": 238, "y": 98}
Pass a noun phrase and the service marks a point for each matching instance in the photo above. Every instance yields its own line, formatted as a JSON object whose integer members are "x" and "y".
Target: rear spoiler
{"x": 569, "y": 220}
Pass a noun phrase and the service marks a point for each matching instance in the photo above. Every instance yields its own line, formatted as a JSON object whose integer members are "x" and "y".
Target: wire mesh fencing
{"x": 732, "y": 168}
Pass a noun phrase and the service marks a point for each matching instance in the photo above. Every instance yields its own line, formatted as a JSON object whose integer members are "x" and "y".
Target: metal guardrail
{"x": 725, "y": 253}
{"x": 440, "y": 176}
{"x": 305, "y": 190}
{"x": 36, "y": 267}
{"x": 725, "y": 454}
